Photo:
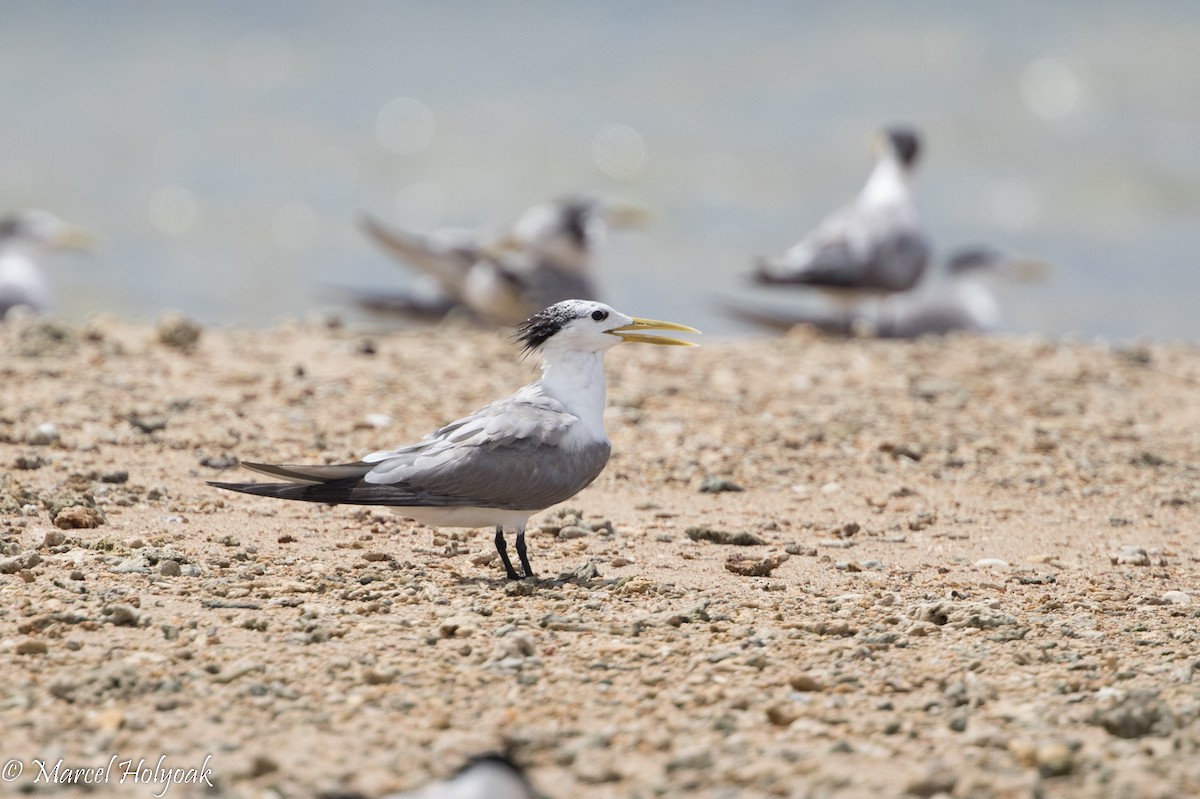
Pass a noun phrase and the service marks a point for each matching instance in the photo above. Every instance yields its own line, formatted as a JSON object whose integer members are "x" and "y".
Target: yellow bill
{"x": 632, "y": 332}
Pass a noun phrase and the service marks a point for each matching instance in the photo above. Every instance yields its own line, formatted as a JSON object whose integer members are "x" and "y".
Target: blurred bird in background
{"x": 26, "y": 238}
{"x": 872, "y": 248}
{"x": 547, "y": 256}
{"x": 962, "y": 298}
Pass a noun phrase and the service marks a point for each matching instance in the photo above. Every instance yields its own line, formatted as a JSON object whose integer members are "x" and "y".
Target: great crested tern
{"x": 485, "y": 777}
{"x": 506, "y": 462}
{"x": 547, "y": 256}
{"x": 961, "y": 300}
{"x": 25, "y": 238}
{"x": 873, "y": 247}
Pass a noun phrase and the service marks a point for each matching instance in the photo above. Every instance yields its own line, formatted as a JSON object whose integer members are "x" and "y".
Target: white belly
{"x": 465, "y": 517}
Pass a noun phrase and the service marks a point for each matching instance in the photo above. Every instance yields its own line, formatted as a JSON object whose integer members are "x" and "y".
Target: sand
{"x": 976, "y": 570}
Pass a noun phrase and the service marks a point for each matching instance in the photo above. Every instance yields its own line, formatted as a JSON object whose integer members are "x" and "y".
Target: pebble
{"x": 991, "y": 563}
{"x": 805, "y": 683}
{"x": 1054, "y": 760}
{"x": 741, "y": 539}
{"x": 378, "y": 420}
{"x": 31, "y": 646}
{"x": 53, "y": 538}
{"x": 748, "y": 566}
{"x": 43, "y": 435}
{"x": 570, "y": 532}
{"x": 176, "y": 330}
{"x": 78, "y": 517}
{"x": 121, "y": 615}
{"x": 1177, "y": 598}
{"x": 169, "y": 568}
{"x": 717, "y": 485}
{"x": 1129, "y": 555}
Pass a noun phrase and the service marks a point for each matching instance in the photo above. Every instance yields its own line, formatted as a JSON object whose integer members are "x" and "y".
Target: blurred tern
{"x": 962, "y": 300}
{"x": 504, "y": 463}
{"x": 25, "y": 238}
{"x": 873, "y": 247}
{"x": 546, "y": 257}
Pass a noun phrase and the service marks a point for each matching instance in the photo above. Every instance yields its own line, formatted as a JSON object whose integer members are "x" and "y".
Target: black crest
{"x": 905, "y": 142}
{"x": 10, "y": 226}
{"x": 575, "y": 216}
{"x": 537, "y": 329}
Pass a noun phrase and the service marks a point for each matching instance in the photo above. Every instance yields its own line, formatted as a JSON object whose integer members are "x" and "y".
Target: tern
{"x": 873, "y": 247}
{"x": 962, "y": 300}
{"x": 546, "y": 257}
{"x": 503, "y": 463}
{"x": 25, "y": 238}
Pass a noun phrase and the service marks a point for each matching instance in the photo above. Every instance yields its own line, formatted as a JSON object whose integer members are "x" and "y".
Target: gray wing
{"x": 858, "y": 248}
{"x": 445, "y": 257}
{"x": 506, "y": 456}
{"x": 516, "y": 454}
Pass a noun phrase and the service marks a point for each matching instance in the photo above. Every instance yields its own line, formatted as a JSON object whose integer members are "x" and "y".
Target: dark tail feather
{"x": 302, "y": 473}
{"x": 349, "y": 491}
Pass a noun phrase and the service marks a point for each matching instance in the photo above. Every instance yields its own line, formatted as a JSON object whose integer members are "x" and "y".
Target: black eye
{"x": 599, "y": 316}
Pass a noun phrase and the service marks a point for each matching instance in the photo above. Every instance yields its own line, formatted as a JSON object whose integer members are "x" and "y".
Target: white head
{"x": 32, "y": 227}
{"x": 589, "y": 326}
{"x": 567, "y": 232}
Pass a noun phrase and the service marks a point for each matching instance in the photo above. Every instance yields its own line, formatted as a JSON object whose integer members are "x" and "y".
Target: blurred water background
{"x": 222, "y": 151}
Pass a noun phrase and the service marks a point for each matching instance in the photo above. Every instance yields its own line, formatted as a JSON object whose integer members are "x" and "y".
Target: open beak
{"x": 73, "y": 238}
{"x": 632, "y": 332}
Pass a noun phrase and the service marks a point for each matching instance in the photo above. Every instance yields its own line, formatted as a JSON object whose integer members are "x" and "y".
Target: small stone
{"x": 755, "y": 567}
{"x": 43, "y": 435}
{"x": 78, "y": 517}
{"x": 176, "y": 330}
{"x": 717, "y": 485}
{"x": 31, "y": 646}
{"x": 782, "y": 714}
{"x": 53, "y": 538}
{"x": 1129, "y": 555}
{"x": 1054, "y": 760}
{"x": 116, "y": 477}
{"x": 991, "y": 563}
{"x": 742, "y": 539}
{"x": 1177, "y": 598}
{"x": 805, "y": 683}
{"x": 935, "y": 782}
{"x": 378, "y": 420}
{"x": 380, "y": 676}
{"x": 570, "y": 532}
{"x": 169, "y": 568}
{"x": 121, "y": 615}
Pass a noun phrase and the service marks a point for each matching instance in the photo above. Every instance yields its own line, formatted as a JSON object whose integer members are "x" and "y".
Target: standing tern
{"x": 547, "y": 256}
{"x": 873, "y": 247}
{"x": 25, "y": 238}
{"x": 507, "y": 461}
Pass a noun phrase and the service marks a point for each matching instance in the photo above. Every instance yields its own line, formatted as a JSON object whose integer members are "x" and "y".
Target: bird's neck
{"x": 889, "y": 182}
{"x": 576, "y": 379}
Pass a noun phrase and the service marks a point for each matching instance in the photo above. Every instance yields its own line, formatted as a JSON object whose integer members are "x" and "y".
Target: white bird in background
{"x": 26, "y": 237}
{"x": 963, "y": 299}
{"x": 547, "y": 256}
{"x": 873, "y": 247}
{"x": 485, "y": 777}
{"x": 506, "y": 462}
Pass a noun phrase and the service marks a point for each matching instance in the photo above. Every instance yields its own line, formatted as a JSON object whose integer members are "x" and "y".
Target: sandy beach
{"x": 962, "y": 567}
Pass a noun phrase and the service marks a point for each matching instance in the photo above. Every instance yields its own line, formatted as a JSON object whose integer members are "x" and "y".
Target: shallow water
{"x": 222, "y": 151}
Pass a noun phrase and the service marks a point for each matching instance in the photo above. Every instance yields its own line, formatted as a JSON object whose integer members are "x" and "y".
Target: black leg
{"x": 502, "y": 548}
{"x": 522, "y": 554}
